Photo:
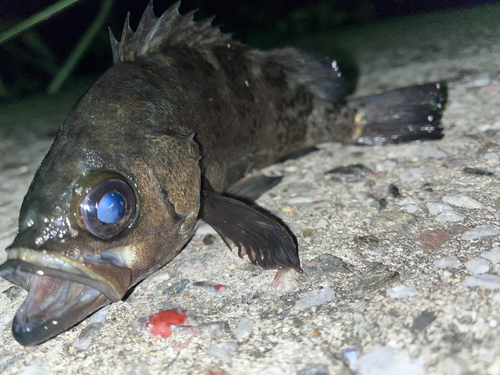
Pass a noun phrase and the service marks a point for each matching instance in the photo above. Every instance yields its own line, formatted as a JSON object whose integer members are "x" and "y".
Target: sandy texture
{"x": 411, "y": 288}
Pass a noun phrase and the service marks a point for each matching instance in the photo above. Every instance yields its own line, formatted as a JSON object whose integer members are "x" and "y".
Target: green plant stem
{"x": 77, "y": 53}
{"x": 37, "y": 18}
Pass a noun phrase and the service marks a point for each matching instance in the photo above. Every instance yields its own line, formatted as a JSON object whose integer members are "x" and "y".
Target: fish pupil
{"x": 111, "y": 208}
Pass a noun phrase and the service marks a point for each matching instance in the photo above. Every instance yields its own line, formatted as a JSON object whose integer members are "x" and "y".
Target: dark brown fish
{"x": 181, "y": 116}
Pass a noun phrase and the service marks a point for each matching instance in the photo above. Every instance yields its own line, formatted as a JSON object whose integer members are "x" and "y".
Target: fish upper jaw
{"x": 108, "y": 278}
{"x": 61, "y": 291}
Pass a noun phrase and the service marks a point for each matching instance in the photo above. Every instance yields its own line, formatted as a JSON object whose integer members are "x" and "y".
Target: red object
{"x": 160, "y": 323}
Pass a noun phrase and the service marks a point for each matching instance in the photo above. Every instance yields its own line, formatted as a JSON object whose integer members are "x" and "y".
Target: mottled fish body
{"x": 181, "y": 116}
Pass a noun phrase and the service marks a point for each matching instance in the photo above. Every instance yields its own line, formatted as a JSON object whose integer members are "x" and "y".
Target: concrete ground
{"x": 412, "y": 288}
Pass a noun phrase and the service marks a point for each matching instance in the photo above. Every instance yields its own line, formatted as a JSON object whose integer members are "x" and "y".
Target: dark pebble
{"x": 427, "y": 187}
{"x": 394, "y": 191}
{"x": 477, "y": 171}
{"x": 328, "y": 263}
{"x": 209, "y": 239}
{"x": 423, "y": 320}
{"x": 352, "y": 169}
{"x": 376, "y": 276}
{"x": 366, "y": 239}
{"x": 176, "y": 288}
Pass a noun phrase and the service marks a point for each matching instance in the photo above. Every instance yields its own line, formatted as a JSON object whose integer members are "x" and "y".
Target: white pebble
{"x": 321, "y": 224}
{"x": 244, "y": 329}
{"x": 386, "y": 166}
{"x": 462, "y": 201}
{"x": 493, "y": 255}
{"x": 480, "y": 231}
{"x": 450, "y": 216}
{"x": 437, "y": 208}
{"x": 478, "y": 265}
{"x": 388, "y": 361}
{"x": 481, "y": 80}
{"x": 487, "y": 281}
{"x": 446, "y": 262}
{"x": 411, "y": 175}
{"x": 316, "y": 297}
{"x": 491, "y": 157}
{"x": 300, "y": 200}
{"x": 224, "y": 351}
{"x": 408, "y": 200}
{"x": 432, "y": 153}
{"x": 411, "y": 208}
{"x": 401, "y": 291}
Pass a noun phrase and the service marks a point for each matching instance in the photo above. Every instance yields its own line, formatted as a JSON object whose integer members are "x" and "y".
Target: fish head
{"x": 116, "y": 197}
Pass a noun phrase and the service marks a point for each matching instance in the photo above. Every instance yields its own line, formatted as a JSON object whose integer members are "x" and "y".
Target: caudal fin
{"x": 403, "y": 115}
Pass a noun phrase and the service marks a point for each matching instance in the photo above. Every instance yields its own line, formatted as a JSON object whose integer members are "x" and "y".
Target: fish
{"x": 164, "y": 140}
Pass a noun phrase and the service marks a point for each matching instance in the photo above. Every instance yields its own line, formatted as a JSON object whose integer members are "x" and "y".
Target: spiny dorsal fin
{"x": 171, "y": 29}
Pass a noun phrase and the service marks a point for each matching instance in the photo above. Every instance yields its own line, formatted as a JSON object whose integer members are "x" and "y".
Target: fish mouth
{"x": 61, "y": 291}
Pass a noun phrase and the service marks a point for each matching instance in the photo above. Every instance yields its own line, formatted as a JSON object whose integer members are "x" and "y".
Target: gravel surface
{"x": 393, "y": 283}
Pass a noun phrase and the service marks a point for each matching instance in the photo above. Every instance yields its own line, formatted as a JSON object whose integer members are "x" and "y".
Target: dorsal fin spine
{"x": 171, "y": 29}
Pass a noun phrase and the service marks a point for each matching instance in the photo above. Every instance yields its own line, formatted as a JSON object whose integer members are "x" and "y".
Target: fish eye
{"x": 106, "y": 205}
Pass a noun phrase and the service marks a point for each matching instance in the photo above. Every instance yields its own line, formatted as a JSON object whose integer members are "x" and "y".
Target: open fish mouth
{"x": 61, "y": 292}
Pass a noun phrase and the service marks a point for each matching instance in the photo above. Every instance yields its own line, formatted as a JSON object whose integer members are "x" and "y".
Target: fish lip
{"x": 53, "y": 306}
{"x": 109, "y": 279}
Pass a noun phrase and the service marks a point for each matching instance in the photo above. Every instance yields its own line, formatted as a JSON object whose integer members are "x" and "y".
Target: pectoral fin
{"x": 263, "y": 239}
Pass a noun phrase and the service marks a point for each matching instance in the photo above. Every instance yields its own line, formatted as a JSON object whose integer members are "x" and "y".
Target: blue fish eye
{"x": 111, "y": 208}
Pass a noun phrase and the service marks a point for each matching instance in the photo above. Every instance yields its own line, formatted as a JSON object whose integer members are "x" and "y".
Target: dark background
{"x": 263, "y": 24}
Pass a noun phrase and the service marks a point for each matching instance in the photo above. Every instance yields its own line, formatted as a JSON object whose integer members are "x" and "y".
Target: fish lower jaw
{"x": 52, "y": 306}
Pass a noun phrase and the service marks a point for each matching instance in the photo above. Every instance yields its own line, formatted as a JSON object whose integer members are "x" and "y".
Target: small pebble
{"x": 462, "y": 201}
{"x": 477, "y": 171}
{"x": 190, "y": 267}
{"x": 411, "y": 208}
{"x": 321, "y": 224}
{"x": 244, "y": 329}
{"x": 401, "y": 291}
{"x": 388, "y": 361}
{"x": 386, "y": 166}
{"x": 365, "y": 198}
{"x": 423, "y": 320}
{"x": 487, "y": 281}
{"x": 478, "y": 265}
{"x": 209, "y": 239}
{"x": 480, "y": 231}
{"x": 34, "y": 369}
{"x": 437, "y": 208}
{"x": 394, "y": 191}
{"x": 352, "y": 357}
{"x": 223, "y": 351}
{"x": 411, "y": 175}
{"x": 431, "y": 153}
{"x": 481, "y": 80}
{"x": 287, "y": 209}
{"x": 434, "y": 238}
{"x": 493, "y": 255}
{"x": 491, "y": 157}
{"x": 300, "y": 200}
{"x": 446, "y": 262}
{"x": 450, "y": 216}
{"x": 177, "y": 287}
{"x": 408, "y": 200}
{"x": 214, "y": 289}
{"x": 315, "y": 298}
{"x": 212, "y": 330}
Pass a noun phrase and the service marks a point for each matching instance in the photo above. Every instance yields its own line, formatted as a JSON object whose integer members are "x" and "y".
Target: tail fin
{"x": 403, "y": 115}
